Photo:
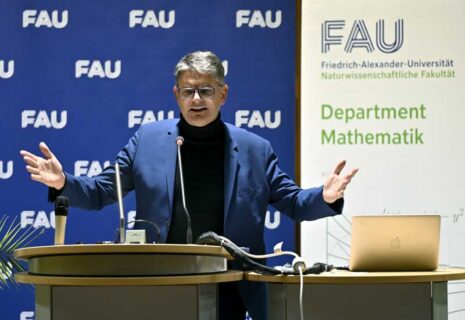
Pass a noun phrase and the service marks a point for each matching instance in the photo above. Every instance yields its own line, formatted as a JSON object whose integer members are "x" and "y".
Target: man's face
{"x": 199, "y": 98}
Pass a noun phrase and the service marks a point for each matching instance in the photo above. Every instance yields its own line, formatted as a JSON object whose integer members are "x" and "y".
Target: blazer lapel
{"x": 170, "y": 154}
{"x": 230, "y": 169}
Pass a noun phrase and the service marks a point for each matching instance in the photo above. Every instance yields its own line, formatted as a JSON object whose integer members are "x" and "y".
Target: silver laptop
{"x": 395, "y": 243}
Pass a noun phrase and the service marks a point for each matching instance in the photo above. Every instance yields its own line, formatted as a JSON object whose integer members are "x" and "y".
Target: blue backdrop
{"x": 83, "y": 75}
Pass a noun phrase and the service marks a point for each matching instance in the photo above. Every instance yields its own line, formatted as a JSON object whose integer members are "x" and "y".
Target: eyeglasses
{"x": 189, "y": 93}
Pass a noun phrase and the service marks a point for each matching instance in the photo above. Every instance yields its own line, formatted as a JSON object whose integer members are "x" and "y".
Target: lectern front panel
{"x": 131, "y": 302}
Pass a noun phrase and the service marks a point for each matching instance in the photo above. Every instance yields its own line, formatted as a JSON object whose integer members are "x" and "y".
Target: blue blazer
{"x": 252, "y": 181}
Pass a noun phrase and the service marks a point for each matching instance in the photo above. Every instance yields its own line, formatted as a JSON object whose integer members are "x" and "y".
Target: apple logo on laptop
{"x": 395, "y": 243}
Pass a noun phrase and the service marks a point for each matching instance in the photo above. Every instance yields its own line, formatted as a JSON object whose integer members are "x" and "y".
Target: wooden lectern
{"x": 126, "y": 281}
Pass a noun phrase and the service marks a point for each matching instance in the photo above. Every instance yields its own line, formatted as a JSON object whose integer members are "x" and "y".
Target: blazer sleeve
{"x": 290, "y": 199}
{"x": 93, "y": 193}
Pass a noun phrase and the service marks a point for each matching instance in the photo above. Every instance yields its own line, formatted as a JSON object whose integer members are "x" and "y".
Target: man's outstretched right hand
{"x": 47, "y": 170}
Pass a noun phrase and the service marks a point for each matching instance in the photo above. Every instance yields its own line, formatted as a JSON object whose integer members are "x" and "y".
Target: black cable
{"x": 211, "y": 238}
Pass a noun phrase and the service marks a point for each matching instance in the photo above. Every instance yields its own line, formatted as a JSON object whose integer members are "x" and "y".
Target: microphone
{"x": 179, "y": 143}
{"x": 119, "y": 194}
{"x": 61, "y": 213}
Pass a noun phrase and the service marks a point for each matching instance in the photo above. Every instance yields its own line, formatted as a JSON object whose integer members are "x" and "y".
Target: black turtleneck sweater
{"x": 203, "y": 169}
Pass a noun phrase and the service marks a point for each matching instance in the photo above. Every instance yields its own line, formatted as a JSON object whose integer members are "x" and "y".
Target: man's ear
{"x": 175, "y": 92}
{"x": 224, "y": 93}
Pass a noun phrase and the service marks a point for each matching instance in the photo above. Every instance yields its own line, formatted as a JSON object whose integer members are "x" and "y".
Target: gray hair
{"x": 203, "y": 62}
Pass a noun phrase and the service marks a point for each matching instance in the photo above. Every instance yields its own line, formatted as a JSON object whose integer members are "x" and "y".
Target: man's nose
{"x": 196, "y": 95}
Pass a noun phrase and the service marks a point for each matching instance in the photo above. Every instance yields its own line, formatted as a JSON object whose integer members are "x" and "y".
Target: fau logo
{"x": 37, "y": 219}
{"x": 256, "y": 119}
{"x": 89, "y": 168}
{"x": 96, "y": 68}
{"x": 272, "y": 223}
{"x": 9, "y": 170}
{"x": 131, "y": 217}
{"x": 43, "y": 18}
{"x": 7, "y": 72}
{"x": 150, "y": 18}
{"x": 225, "y": 64}
{"x": 26, "y": 315}
{"x": 42, "y": 119}
{"x": 256, "y": 18}
{"x": 359, "y": 36}
{"x": 137, "y": 117}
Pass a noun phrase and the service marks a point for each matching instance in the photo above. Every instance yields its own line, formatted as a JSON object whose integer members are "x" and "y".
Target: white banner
{"x": 383, "y": 86}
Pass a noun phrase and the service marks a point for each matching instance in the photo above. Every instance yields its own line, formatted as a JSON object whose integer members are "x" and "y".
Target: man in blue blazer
{"x": 230, "y": 175}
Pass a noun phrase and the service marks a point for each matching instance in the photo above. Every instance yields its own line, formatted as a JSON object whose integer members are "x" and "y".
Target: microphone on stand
{"x": 122, "y": 224}
{"x": 61, "y": 213}
{"x": 179, "y": 143}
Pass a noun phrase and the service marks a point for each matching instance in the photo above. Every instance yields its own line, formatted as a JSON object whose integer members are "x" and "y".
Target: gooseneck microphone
{"x": 179, "y": 143}
{"x": 61, "y": 213}
{"x": 119, "y": 193}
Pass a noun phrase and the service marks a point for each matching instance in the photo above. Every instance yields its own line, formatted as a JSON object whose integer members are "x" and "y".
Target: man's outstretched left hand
{"x": 336, "y": 183}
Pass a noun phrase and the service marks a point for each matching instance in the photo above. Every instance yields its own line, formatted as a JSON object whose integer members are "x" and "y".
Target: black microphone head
{"x": 61, "y": 206}
{"x": 179, "y": 140}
